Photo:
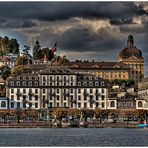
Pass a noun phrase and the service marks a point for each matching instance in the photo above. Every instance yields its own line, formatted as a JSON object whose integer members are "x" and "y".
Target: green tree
{"x": 5, "y": 72}
{"x": 36, "y": 49}
{"x": 13, "y": 46}
{"x": 17, "y": 70}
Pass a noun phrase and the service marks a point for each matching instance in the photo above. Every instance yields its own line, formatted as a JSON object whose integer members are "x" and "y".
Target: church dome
{"x": 130, "y": 50}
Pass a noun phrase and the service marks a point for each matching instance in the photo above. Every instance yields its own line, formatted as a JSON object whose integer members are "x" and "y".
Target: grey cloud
{"x": 18, "y": 24}
{"x": 51, "y": 11}
{"x": 81, "y": 38}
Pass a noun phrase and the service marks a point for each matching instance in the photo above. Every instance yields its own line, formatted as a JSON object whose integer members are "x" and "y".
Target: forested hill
{"x": 8, "y": 45}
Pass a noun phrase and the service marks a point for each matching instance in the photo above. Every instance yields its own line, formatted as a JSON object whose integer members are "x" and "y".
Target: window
{"x": 79, "y": 98}
{"x": 102, "y": 98}
{"x": 24, "y": 78}
{"x": 36, "y": 91}
{"x": 79, "y": 105}
{"x": 30, "y": 90}
{"x": 24, "y": 83}
{"x": 64, "y": 97}
{"x": 18, "y": 78}
{"x": 44, "y": 78}
{"x": 30, "y": 104}
{"x": 96, "y": 83}
{"x": 12, "y": 91}
{"x": 18, "y": 97}
{"x": 50, "y": 97}
{"x": 36, "y": 105}
{"x": 85, "y": 105}
{"x": 30, "y": 83}
{"x": 50, "y": 105}
{"x": 43, "y": 91}
{"x": 140, "y": 104}
{"x": 112, "y": 104}
{"x": 43, "y": 98}
{"x": 12, "y": 83}
{"x": 79, "y": 91}
{"x": 90, "y": 83}
{"x": 71, "y": 97}
{"x": 36, "y": 98}
{"x": 30, "y": 97}
{"x": 64, "y": 78}
{"x": 71, "y": 78}
{"x": 18, "y": 83}
{"x": 36, "y": 83}
{"x": 79, "y": 83}
{"x": 58, "y": 79}
{"x": 43, "y": 105}
{"x": 58, "y": 105}
{"x": 102, "y": 90}
{"x": 57, "y": 90}
{"x": 50, "y": 78}
{"x": 85, "y": 83}
{"x": 24, "y": 91}
{"x": 102, "y": 104}
{"x": 97, "y": 104}
{"x": 71, "y": 90}
{"x": 102, "y": 83}
{"x": 58, "y": 97}
{"x": 18, "y": 104}
{"x": 12, "y": 104}
{"x": 3, "y": 104}
{"x": 12, "y": 97}
{"x": 64, "y": 104}
{"x": 91, "y": 91}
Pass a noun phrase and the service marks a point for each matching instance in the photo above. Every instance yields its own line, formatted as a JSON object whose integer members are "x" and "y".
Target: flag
{"x": 54, "y": 48}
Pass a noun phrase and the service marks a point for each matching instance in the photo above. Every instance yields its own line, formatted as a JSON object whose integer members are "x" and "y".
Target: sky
{"x": 83, "y": 30}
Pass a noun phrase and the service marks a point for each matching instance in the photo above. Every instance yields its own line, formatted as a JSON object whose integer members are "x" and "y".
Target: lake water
{"x": 73, "y": 137}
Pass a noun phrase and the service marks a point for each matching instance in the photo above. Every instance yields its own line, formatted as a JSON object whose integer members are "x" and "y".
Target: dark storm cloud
{"x": 118, "y": 12}
{"x": 82, "y": 39}
{"x": 18, "y": 24}
{"x": 121, "y": 21}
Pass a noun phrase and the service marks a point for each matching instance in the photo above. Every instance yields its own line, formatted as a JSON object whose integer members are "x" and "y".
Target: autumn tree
{"x": 19, "y": 70}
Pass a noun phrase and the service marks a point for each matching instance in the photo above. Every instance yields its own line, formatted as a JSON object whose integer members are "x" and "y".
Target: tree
{"x": 13, "y": 46}
{"x": 21, "y": 60}
{"x": 18, "y": 113}
{"x": 19, "y": 70}
{"x": 36, "y": 49}
{"x": 6, "y": 71}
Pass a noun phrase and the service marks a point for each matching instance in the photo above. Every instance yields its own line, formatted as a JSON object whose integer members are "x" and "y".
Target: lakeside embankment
{"x": 47, "y": 125}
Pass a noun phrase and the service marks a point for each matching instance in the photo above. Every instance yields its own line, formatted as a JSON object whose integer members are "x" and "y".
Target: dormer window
{"x": 24, "y": 83}
{"x": 12, "y": 83}
{"x": 18, "y": 77}
{"x": 36, "y": 78}
{"x": 24, "y": 78}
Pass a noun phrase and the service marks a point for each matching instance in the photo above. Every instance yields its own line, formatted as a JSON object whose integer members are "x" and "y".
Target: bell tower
{"x": 130, "y": 41}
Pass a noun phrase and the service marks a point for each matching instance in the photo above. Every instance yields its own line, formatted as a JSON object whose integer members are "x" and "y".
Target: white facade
{"x": 57, "y": 87}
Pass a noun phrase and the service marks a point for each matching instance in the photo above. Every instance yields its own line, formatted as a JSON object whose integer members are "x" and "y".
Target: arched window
{"x": 140, "y": 104}
{"x": 112, "y": 104}
{"x": 3, "y": 104}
